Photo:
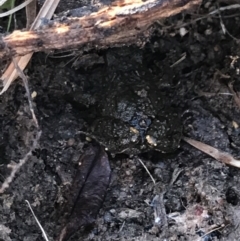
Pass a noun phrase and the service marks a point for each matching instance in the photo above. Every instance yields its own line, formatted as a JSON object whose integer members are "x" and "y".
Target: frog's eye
{"x": 151, "y": 140}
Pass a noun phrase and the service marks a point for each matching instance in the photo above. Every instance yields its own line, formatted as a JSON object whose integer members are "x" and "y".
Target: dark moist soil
{"x": 203, "y": 201}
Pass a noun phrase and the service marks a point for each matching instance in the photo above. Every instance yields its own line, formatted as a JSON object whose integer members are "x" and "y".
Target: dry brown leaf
{"x": 88, "y": 190}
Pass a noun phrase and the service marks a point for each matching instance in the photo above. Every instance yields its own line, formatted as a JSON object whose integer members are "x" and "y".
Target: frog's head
{"x": 163, "y": 136}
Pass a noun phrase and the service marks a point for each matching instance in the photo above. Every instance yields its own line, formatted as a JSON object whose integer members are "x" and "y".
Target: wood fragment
{"x": 121, "y": 23}
{"x": 213, "y": 152}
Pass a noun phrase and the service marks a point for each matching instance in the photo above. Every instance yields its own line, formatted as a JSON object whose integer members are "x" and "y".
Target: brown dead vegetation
{"x": 122, "y": 23}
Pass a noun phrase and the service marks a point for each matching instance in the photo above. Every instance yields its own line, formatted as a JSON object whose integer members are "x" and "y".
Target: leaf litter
{"x": 88, "y": 190}
{"x": 203, "y": 199}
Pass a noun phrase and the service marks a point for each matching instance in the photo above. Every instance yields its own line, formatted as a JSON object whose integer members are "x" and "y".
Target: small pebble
{"x": 183, "y": 32}
{"x": 107, "y": 217}
{"x": 34, "y": 94}
{"x": 71, "y": 142}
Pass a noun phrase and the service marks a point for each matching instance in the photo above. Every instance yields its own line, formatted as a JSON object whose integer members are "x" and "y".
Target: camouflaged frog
{"x": 135, "y": 119}
{"x": 129, "y": 114}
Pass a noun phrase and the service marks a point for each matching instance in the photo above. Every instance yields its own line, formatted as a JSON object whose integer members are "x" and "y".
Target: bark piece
{"x": 121, "y": 23}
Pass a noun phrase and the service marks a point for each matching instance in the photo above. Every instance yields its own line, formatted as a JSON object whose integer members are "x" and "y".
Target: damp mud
{"x": 137, "y": 103}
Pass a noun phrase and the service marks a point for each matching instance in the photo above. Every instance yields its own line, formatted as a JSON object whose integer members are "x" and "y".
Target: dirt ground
{"x": 194, "y": 70}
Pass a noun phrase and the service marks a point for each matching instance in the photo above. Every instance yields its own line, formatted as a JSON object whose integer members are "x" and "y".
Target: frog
{"x": 130, "y": 112}
{"x": 136, "y": 118}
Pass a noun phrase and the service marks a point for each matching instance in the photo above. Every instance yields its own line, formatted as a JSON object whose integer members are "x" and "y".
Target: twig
{"x": 154, "y": 182}
{"x": 179, "y": 61}
{"x": 120, "y": 230}
{"x": 224, "y": 29}
{"x": 213, "y": 152}
{"x": 222, "y": 9}
{"x": 38, "y": 223}
{"x": 25, "y": 82}
{"x": 123, "y": 22}
{"x": 230, "y": 7}
{"x": 211, "y": 231}
{"x": 175, "y": 176}
{"x": 234, "y": 93}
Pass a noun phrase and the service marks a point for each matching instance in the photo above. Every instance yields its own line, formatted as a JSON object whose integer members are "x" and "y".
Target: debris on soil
{"x": 132, "y": 117}
{"x": 188, "y": 68}
{"x": 88, "y": 190}
{"x": 213, "y": 152}
{"x": 118, "y": 23}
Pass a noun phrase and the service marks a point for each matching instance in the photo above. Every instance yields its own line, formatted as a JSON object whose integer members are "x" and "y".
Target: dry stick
{"x": 154, "y": 182}
{"x": 184, "y": 55}
{"x": 38, "y": 223}
{"x": 25, "y": 82}
{"x": 235, "y": 94}
{"x": 224, "y": 29}
{"x": 221, "y": 9}
{"x": 213, "y": 152}
{"x": 122, "y": 23}
{"x": 211, "y": 231}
